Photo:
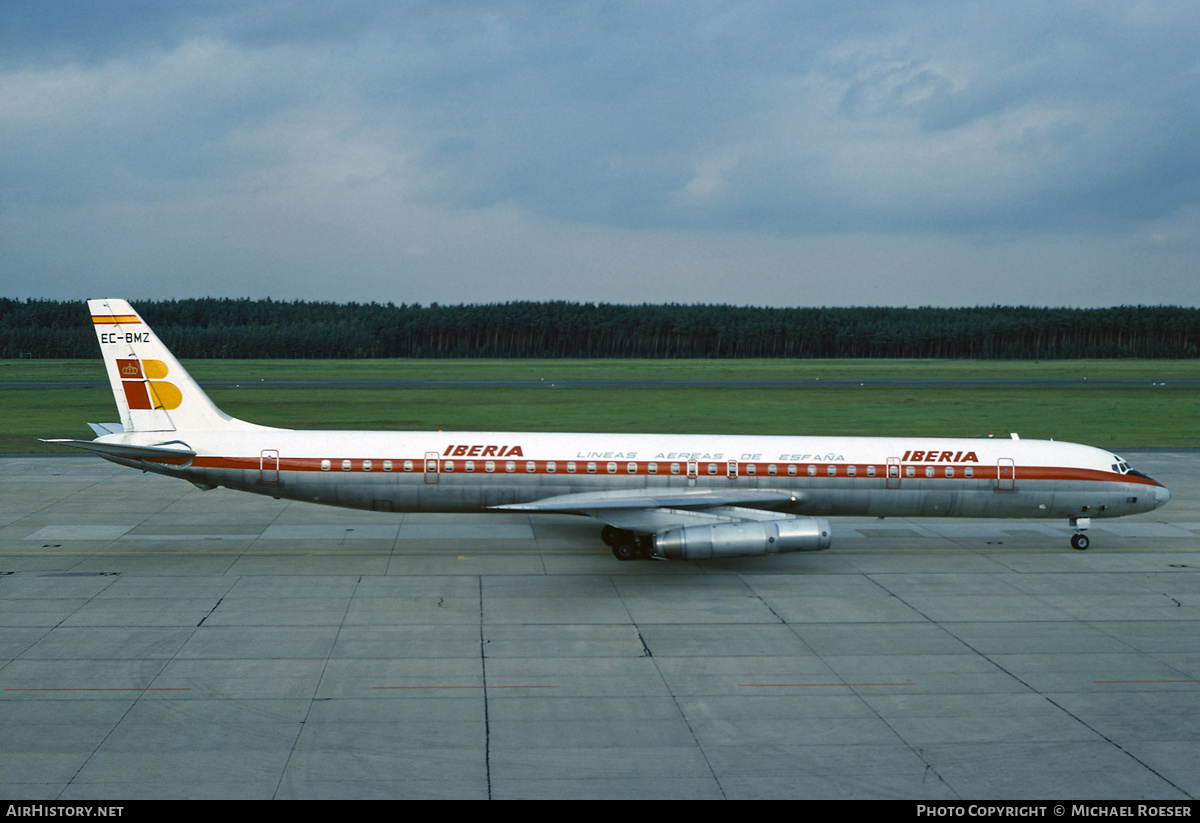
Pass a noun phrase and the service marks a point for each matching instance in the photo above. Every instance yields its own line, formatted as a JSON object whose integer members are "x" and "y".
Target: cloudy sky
{"x": 759, "y": 153}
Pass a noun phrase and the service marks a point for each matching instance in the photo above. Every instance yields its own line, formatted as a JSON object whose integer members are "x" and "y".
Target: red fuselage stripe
{"x": 980, "y": 471}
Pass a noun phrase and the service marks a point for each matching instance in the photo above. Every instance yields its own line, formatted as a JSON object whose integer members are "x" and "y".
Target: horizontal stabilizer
{"x": 102, "y": 429}
{"x": 639, "y": 499}
{"x": 159, "y": 454}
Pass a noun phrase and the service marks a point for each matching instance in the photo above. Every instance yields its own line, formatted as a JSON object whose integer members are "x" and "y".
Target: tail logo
{"x": 143, "y": 387}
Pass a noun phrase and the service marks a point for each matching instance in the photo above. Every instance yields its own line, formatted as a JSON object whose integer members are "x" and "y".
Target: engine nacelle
{"x": 751, "y": 538}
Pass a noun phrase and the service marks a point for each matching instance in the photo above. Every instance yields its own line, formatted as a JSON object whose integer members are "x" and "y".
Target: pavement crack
{"x": 216, "y": 606}
{"x": 487, "y": 727}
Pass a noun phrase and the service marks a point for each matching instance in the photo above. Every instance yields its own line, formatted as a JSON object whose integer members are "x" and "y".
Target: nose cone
{"x": 1162, "y": 495}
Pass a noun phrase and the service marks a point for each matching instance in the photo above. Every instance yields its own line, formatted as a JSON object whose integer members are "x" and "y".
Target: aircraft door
{"x": 431, "y": 467}
{"x": 893, "y": 472}
{"x": 1006, "y": 474}
{"x": 733, "y": 469}
{"x": 268, "y": 466}
{"x": 693, "y": 469}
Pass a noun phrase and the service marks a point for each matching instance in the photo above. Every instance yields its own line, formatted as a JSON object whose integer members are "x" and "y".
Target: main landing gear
{"x": 625, "y": 544}
{"x": 1079, "y": 540}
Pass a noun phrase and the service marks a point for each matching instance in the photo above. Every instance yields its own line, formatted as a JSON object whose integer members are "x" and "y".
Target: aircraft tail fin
{"x": 153, "y": 392}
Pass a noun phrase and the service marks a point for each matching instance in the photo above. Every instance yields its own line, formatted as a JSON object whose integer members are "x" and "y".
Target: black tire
{"x": 1079, "y": 542}
{"x": 625, "y": 547}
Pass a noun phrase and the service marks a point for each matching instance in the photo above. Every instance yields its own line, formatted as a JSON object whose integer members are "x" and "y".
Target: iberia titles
{"x": 483, "y": 451}
{"x": 939, "y": 457}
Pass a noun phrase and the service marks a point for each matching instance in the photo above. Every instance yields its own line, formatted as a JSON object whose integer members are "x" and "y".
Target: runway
{"x": 157, "y": 641}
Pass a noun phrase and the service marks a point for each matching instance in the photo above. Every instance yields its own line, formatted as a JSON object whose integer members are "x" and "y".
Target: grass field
{"x": 549, "y": 370}
{"x": 1153, "y": 413}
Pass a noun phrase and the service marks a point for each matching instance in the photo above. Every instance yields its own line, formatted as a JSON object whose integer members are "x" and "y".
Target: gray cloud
{"x": 526, "y": 149}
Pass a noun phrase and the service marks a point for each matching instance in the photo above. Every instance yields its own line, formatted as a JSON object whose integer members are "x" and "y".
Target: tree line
{"x": 243, "y": 328}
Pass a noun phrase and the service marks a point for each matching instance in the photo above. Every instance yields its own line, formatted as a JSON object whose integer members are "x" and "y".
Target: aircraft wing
{"x": 657, "y": 521}
{"x": 637, "y": 498}
{"x": 640, "y": 511}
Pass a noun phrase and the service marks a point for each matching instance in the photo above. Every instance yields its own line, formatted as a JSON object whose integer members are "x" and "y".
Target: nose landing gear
{"x": 1079, "y": 540}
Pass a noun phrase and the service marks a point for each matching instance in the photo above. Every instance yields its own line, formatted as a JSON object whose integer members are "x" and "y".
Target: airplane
{"x": 659, "y": 496}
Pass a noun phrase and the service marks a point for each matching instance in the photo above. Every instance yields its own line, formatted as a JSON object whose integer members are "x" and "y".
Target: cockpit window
{"x": 1121, "y": 467}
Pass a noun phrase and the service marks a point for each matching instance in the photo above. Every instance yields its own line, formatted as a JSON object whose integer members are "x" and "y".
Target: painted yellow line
{"x": 130, "y": 689}
{"x": 463, "y": 687}
{"x": 809, "y": 685}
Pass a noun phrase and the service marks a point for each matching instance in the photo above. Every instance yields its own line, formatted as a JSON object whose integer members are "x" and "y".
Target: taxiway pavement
{"x": 160, "y": 641}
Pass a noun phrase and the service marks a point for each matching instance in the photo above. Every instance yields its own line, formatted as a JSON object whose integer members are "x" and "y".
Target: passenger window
{"x": 831, "y": 470}
{"x": 571, "y": 467}
{"x": 366, "y": 465}
{"x": 652, "y": 468}
{"x": 949, "y": 471}
{"x": 551, "y": 467}
{"x": 631, "y": 468}
{"x": 345, "y": 465}
{"x": 591, "y": 467}
{"x": 408, "y": 465}
{"x": 870, "y": 471}
{"x": 812, "y": 470}
{"x": 791, "y": 469}
{"x": 674, "y": 468}
{"x": 771, "y": 470}
{"x": 325, "y": 465}
{"x": 530, "y": 467}
{"x": 910, "y": 471}
{"x": 387, "y": 465}
{"x": 448, "y": 465}
{"x": 489, "y": 466}
{"x": 712, "y": 468}
{"x": 469, "y": 465}
{"x": 510, "y": 466}
{"x": 751, "y": 468}
{"x": 929, "y": 471}
{"x": 851, "y": 471}
{"x": 968, "y": 472}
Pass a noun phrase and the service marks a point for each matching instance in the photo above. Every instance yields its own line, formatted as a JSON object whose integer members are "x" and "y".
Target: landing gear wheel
{"x": 609, "y": 535}
{"x": 1079, "y": 542}
{"x": 624, "y": 546}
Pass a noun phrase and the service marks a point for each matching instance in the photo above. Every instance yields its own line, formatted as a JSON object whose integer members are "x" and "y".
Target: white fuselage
{"x": 473, "y": 471}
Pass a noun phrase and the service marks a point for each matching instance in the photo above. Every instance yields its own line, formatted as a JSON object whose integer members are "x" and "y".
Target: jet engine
{"x": 750, "y": 538}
